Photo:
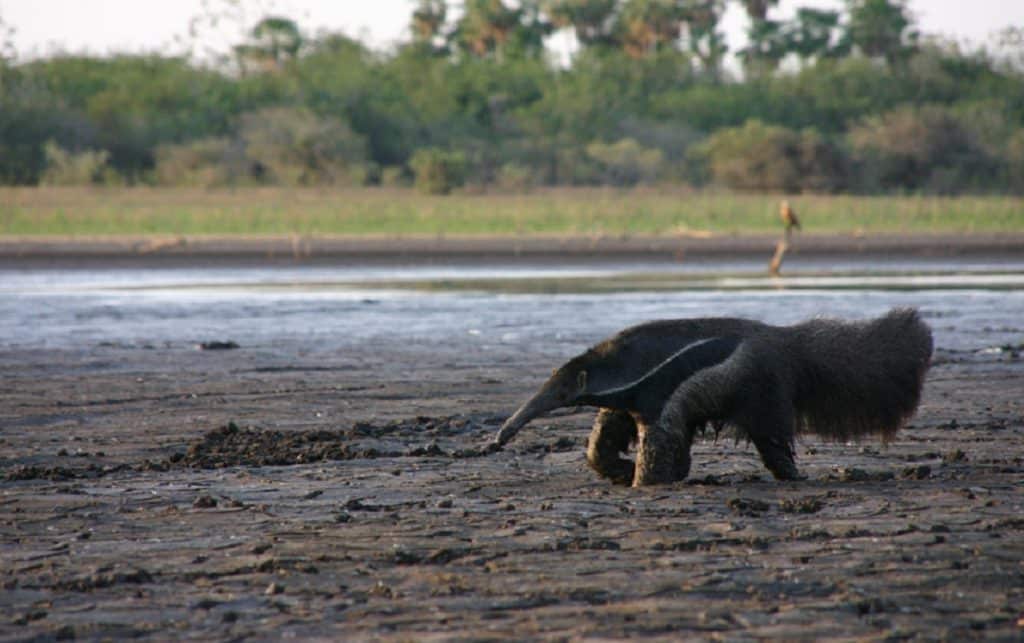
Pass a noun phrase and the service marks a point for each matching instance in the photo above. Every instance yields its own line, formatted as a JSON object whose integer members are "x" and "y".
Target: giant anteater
{"x": 658, "y": 383}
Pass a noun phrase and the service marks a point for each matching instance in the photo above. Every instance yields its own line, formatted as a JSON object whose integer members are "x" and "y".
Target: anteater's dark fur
{"x": 843, "y": 380}
{"x": 837, "y": 379}
{"x": 855, "y": 379}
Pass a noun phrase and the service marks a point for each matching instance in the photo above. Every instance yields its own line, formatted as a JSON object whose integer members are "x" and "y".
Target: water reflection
{"x": 491, "y": 308}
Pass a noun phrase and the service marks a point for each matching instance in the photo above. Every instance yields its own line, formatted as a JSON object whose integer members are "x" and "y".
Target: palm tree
{"x": 880, "y": 29}
{"x": 769, "y": 44}
{"x": 706, "y": 42}
{"x": 812, "y": 34}
{"x": 489, "y": 27}
{"x": 428, "y": 19}
{"x": 758, "y": 9}
{"x": 7, "y": 50}
{"x": 486, "y": 25}
{"x": 649, "y": 25}
{"x": 272, "y": 42}
{"x": 593, "y": 21}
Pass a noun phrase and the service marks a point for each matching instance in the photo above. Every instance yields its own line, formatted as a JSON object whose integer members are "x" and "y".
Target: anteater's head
{"x": 617, "y": 373}
{"x": 567, "y": 386}
{"x": 634, "y": 371}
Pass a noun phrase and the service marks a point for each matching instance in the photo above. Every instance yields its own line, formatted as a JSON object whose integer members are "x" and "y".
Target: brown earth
{"x": 178, "y": 493}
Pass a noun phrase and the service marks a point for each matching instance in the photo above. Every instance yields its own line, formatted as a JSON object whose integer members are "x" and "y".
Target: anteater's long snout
{"x": 536, "y": 406}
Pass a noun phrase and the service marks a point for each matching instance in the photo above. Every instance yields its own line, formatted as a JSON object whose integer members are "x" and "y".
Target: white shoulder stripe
{"x": 650, "y": 373}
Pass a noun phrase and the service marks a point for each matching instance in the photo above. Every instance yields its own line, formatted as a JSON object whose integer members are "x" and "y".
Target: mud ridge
{"x": 231, "y": 445}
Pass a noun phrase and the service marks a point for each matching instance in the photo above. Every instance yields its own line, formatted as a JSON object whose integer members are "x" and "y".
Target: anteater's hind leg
{"x": 612, "y": 434}
{"x": 777, "y": 455}
{"x": 769, "y": 423}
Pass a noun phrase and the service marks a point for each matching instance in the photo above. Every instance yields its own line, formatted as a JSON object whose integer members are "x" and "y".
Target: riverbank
{"x": 291, "y": 249}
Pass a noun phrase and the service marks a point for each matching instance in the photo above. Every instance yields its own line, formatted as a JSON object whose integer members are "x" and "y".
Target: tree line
{"x": 827, "y": 101}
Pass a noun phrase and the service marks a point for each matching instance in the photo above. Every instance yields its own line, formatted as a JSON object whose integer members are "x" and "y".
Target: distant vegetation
{"x": 391, "y": 212}
{"x": 855, "y": 101}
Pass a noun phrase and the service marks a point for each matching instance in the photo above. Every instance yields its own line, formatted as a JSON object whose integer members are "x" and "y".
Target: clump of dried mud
{"x": 231, "y": 445}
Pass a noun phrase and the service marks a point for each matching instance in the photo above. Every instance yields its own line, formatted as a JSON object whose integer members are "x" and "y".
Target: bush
{"x": 368, "y": 173}
{"x": 824, "y": 166}
{"x": 63, "y": 167}
{"x": 1015, "y": 161}
{"x": 927, "y": 148}
{"x": 675, "y": 139}
{"x": 767, "y": 157}
{"x": 514, "y": 177}
{"x": 627, "y": 162}
{"x": 438, "y": 171}
{"x": 754, "y": 157}
{"x": 294, "y": 146}
{"x": 207, "y": 162}
{"x": 395, "y": 176}
{"x": 572, "y": 166}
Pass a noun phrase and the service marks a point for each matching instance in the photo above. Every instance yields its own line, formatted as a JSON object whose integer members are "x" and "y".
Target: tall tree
{"x": 533, "y": 27}
{"x": 428, "y": 20}
{"x": 7, "y": 51}
{"x": 880, "y": 29}
{"x": 812, "y": 35}
{"x": 758, "y": 9}
{"x": 769, "y": 43}
{"x": 488, "y": 26}
{"x": 593, "y": 21}
{"x": 272, "y": 42}
{"x": 704, "y": 39}
{"x": 650, "y": 25}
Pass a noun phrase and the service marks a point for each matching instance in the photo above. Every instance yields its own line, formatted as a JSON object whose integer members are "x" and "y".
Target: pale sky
{"x": 103, "y": 26}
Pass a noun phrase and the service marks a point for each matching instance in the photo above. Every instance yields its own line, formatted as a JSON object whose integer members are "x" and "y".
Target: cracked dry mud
{"x": 247, "y": 494}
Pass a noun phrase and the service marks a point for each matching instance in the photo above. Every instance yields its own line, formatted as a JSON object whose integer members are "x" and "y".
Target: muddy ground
{"x": 171, "y": 492}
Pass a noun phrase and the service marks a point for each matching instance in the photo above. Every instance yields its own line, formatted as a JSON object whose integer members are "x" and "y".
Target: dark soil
{"x": 257, "y": 495}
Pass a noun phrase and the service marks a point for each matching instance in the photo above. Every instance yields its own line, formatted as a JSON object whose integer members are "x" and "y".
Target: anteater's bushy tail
{"x": 859, "y": 378}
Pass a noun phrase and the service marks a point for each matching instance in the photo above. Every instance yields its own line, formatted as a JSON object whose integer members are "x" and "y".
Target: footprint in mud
{"x": 748, "y": 506}
{"x": 217, "y": 345}
{"x": 805, "y": 505}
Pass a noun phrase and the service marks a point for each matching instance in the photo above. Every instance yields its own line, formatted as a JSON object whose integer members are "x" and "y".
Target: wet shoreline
{"x": 287, "y": 250}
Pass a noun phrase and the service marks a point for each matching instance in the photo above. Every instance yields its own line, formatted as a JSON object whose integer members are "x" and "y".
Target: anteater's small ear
{"x": 581, "y": 382}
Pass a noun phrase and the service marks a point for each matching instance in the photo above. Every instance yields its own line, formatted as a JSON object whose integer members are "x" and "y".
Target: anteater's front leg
{"x": 611, "y": 436}
{"x": 663, "y": 450}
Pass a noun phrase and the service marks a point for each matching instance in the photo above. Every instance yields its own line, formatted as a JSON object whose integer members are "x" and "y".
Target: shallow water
{"x": 501, "y": 309}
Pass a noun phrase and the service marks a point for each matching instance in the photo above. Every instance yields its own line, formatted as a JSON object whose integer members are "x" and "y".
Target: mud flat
{"x": 168, "y": 492}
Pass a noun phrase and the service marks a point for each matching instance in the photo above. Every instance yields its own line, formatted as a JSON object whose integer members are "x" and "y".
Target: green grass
{"x": 385, "y": 212}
